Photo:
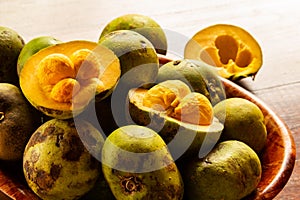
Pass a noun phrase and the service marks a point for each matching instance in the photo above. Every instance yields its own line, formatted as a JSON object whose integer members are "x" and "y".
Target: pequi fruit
{"x": 32, "y": 47}
{"x": 243, "y": 121}
{"x": 62, "y": 79}
{"x": 231, "y": 49}
{"x": 166, "y": 95}
{"x": 58, "y": 161}
{"x": 142, "y": 24}
{"x": 231, "y": 171}
{"x": 137, "y": 165}
{"x": 11, "y": 44}
{"x": 201, "y": 77}
{"x": 138, "y": 59}
{"x": 194, "y": 108}
{"x": 186, "y": 122}
{"x": 17, "y": 122}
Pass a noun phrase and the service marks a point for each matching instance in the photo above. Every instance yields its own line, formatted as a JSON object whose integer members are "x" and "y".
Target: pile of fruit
{"x": 108, "y": 120}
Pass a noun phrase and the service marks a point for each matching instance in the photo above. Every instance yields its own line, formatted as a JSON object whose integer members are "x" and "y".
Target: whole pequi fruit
{"x": 243, "y": 121}
{"x": 32, "y": 47}
{"x": 231, "y": 49}
{"x": 138, "y": 58}
{"x": 231, "y": 171}
{"x": 18, "y": 120}
{"x": 142, "y": 24}
{"x": 58, "y": 161}
{"x": 11, "y": 44}
{"x": 137, "y": 165}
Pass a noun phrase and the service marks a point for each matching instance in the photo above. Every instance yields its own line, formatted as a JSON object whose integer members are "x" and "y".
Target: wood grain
{"x": 275, "y": 24}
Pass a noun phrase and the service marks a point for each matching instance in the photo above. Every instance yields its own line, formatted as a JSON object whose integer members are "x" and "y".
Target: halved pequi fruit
{"x": 184, "y": 137}
{"x": 199, "y": 76}
{"x": 230, "y": 48}
{"x": 62, "y": 79}
{"x": 32, "y": 47}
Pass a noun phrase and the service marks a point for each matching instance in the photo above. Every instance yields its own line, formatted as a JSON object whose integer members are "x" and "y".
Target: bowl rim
{"x": 289, "y": 156}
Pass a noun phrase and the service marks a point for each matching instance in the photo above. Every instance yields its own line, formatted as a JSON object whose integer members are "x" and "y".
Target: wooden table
{"x": 275, "y": 25}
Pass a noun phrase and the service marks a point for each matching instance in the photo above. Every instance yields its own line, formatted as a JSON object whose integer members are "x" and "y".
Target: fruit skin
{"x": 41, "y": 100}
{"x": 15, "y": 109}
{"x": 184, "y": 139}
{"x": 244, "y": 121}
{"x": 142, "y": 24}
{"x": 231, "y": 171}
{"x": 231, "y": 49}
{"x": 139, "y": 67}
{"x": 138, "y": 59}
{"x": 58, "y": 163}
{"x": 11, "y": 44}
{"x": 137, "y": 165}
{"x": 32, "y": 47}
{"x": 198, "y": 75}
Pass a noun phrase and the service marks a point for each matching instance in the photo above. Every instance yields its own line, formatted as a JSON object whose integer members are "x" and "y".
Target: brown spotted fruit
{"x": 11, "y": 44}
{"x": 184, "y": 119}
{"x": 18, "y": 120}
{"x": 138, "y": 165}
{"x": 62, "y": 79}
{"x": 58, "y": 161}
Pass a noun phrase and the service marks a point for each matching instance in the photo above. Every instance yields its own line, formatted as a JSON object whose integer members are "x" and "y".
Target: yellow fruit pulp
{"x": 234, "y": 52}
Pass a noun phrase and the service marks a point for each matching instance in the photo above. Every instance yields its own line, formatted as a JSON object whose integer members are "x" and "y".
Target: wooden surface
{"x": 274, "y": 23}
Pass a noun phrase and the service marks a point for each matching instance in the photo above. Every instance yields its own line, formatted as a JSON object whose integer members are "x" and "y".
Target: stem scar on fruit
{"x": 130, "y": 184}
{"x": 2, "y": 116}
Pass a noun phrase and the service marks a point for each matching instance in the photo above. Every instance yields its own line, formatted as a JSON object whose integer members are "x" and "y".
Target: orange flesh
{"x": 230, "y": 48}
{"x": 33, "y": 91}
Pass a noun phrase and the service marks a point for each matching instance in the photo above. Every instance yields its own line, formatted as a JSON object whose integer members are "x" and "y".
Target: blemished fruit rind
{"x": 243, "y": 121}
{"x": 184, "y": 139}
{"x": 48, "y": 103}
{"x": 199, "y": 76}
{"x": 17, "y": 122}
{"x": 138, "y": 58}
{"x": 11, "y": 44}
{"x": 32, "y": 47}
{"x": 142, "y": 24}
{"x": 232, "y": 170}
{"x": 57, "y": 162}
{"x": 138, "y": 165}
{"x": 231, "y": 49}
